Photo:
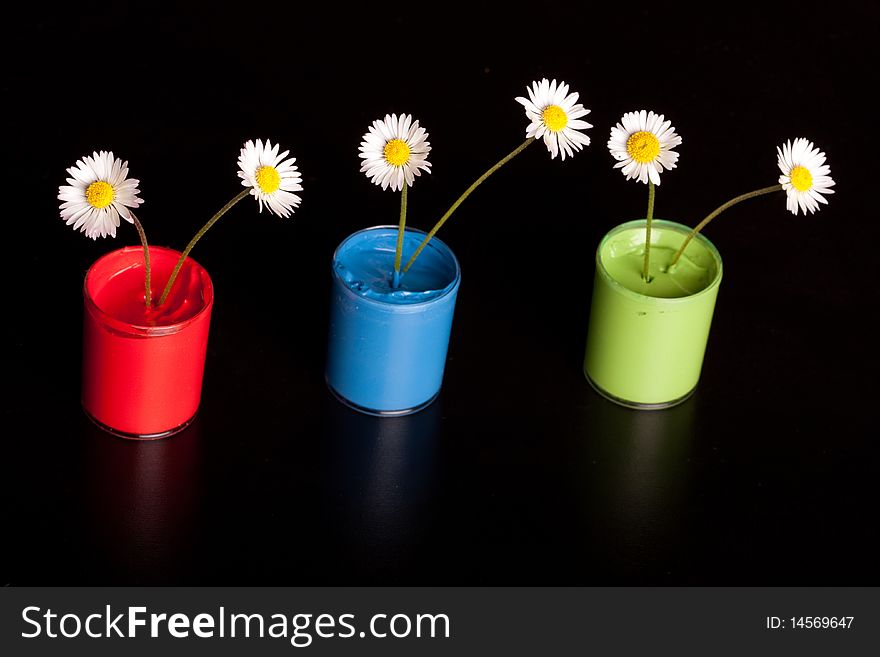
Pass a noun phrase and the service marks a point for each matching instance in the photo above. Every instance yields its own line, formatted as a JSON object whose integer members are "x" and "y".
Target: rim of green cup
{"x": 658, "y": 223}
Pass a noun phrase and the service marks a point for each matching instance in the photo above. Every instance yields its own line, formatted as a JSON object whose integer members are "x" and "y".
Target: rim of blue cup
{"x": 435, "y": 242}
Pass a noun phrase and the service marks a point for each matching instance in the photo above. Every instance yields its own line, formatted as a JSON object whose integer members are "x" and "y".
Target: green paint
{"x": 646, "y": 341}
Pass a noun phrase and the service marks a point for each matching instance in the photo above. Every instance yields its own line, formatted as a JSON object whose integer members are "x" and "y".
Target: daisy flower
{"x": 394, "y": 151}
{"x": 804, "y": 175}
{"x": 98, "y": 193}
{"x": 642, "y": 145}
{"x": 272, "y": 179}
{"x": 555, "y": 115}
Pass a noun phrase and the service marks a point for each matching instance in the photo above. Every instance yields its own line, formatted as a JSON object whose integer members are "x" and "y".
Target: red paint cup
{"x": 143, "y": 369}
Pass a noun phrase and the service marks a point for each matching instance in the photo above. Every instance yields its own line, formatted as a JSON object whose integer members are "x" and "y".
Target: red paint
{"x": 142, "y": 370}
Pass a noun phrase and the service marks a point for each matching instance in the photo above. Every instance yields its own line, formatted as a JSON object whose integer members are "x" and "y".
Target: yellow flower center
{"x": 268, "y": 179}
{"x": 801, "y": 178}
{"x": 643, "y": 146}
{"x": 100, "y": 194}
{"x": 554, "y": 118}
{"x": 396, "y": 152}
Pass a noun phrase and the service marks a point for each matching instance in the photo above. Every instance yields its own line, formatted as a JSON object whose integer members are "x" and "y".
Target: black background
{"x": 519, "y": 473}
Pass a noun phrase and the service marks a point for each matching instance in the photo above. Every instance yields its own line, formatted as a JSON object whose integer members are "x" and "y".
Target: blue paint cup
{"x": 387, "y": 347}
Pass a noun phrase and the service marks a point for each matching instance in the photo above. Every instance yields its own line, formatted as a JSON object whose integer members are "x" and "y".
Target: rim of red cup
{"x": 147, "y": 331}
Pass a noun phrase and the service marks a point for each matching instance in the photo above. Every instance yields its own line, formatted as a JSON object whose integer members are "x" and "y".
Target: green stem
{"x": 461, "y": 198}
{"x": 400, "y": 229}
{"x": 148, "y": 300}
{"x": 649, "y": 216}
{"x": 189, "y": 247}
{"x": 716, "y": 212}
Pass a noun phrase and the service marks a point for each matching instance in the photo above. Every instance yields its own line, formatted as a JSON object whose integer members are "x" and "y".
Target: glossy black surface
{"x": 519, "y": 473}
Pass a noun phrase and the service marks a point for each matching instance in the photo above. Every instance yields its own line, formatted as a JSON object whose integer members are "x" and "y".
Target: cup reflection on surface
{"x": 141, "y": 499}
{"x": 382, "y": 476}
{"x": 636, "y": 490}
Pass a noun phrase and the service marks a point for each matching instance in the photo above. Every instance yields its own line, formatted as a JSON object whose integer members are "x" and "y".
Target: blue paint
{"x": 387, "y": 347}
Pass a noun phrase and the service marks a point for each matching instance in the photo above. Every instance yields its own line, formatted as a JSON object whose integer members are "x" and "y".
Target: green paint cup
{"x": 646, "y": 341}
